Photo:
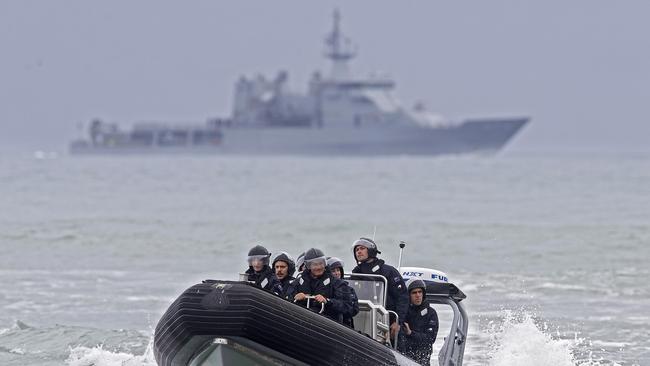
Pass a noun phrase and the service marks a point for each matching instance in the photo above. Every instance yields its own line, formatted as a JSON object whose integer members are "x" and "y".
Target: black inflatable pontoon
{"x": 228, "y": 322}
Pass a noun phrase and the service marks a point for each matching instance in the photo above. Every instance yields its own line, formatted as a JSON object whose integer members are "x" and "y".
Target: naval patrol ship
{"x": 340, "y": 114}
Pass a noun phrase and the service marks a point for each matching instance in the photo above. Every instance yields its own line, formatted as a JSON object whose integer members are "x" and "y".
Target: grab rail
{"x": 309, "y": 298}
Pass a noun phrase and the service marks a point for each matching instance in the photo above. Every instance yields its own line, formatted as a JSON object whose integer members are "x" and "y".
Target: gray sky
{"x": 579, "y": 68}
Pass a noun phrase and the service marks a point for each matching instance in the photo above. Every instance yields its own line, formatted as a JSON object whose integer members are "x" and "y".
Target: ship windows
{"x": 363, "y": 100}
{"x": 142, "y": 138}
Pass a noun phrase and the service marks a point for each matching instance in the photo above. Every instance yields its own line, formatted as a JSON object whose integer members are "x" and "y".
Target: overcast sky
{"x": 578, "y": 68}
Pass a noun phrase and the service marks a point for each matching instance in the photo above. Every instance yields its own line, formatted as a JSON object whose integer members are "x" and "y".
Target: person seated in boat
{"x": 420, "y": 326}
{"x": 284, "y": 268}
{"x": 365, "y": 253}
{"x": 260, "y": 272}
{"x": 300, "y": 262}
{"x": 289, "y": 286}
{"x": 335, "y": 266}
{"x": 322, "y": 287}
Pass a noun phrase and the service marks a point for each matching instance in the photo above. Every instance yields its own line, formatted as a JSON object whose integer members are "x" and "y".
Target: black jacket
{"x": 398, "y": 297}
{"x": 348, "y": 320}
{"x": 285, "y": 283}
{"x": 423, "y": 321}
{"x": 265, "y": 279}
{"x": 341, "y": 303}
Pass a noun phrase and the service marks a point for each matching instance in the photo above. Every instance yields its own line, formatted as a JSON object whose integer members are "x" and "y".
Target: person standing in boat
{"x": 335, "y": 266}
{"x": 284, "y": 267}
{"x": 365, "y": 253}
{"x": 259, "y": 271}
{"x": 420, "y": 326}
{"x": 330, "y": 294}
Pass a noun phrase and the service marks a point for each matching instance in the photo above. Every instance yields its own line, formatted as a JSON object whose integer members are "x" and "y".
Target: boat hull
{"x": 222, "y": 316}
{"x": 472, "y": 136}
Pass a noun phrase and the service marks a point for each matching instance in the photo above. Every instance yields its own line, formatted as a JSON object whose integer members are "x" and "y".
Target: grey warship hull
{"x": 481, "y": 136}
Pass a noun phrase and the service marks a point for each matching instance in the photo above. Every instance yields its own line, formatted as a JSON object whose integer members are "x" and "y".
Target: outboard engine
{"x": 441, "y": 291}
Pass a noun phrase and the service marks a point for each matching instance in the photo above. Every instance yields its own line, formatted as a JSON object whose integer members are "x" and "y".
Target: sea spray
{"x": 98, "y": 356}
{"x": 519, "y": 340}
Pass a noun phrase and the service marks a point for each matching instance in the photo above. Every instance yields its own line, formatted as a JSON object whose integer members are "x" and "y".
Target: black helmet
{"x": 286, "y": 258}
{"x": 334, "y": 262}
{"x": 367, "y": 243}
{"x": 417, "y": 283}
{"x": 258, "y": 252}
{"x": 313, "y": 256}
{"x": 300, "y": 262}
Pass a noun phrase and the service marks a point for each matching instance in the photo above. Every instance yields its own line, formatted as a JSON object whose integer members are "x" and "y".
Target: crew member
{"x": 420, "y": 326}
{"x": 335, "y": 266}
{"x": 284, "y": 267}
{"x": 326, "y": 289}
{"x": 365, "y": 253}
{"x": 260, "y": 272}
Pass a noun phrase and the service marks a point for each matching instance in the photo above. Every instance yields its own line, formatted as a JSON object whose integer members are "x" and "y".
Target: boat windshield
{"x": 372, "y": 289}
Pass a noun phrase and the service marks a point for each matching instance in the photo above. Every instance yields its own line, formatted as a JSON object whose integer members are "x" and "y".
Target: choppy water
{"x": 552, "y": 251}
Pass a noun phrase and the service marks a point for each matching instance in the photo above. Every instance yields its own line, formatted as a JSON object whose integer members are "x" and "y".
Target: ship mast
{"x": 339, "y": 50}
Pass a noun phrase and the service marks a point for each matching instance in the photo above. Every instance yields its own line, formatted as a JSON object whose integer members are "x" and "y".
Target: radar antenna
{"x": 339, "y": 49}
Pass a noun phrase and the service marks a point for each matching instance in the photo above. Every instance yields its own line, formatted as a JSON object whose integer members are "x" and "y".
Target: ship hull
{"x": 472, "y": 136}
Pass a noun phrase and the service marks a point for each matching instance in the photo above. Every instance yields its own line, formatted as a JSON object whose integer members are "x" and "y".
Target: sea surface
{"x": 552, "y": 251}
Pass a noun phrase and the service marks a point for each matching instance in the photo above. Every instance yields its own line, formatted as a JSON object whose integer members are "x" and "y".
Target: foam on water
{"x": 98, "y": 356}
{"x": 518, "y": 340}
{"x": 22, "y": 344}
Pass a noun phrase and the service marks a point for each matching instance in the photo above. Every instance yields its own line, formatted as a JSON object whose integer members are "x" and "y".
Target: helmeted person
{"x": 300, "y": 262}
{"x": 420, "y": 326}
{"x": 284, "y": 267}
{"x": 260, "y": 272}
{"x": 317, "y": 281}
{"x": 365, "y": 253}
{"x": 335, "y": 266}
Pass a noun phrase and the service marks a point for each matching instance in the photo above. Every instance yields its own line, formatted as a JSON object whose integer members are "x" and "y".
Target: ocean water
{"x": 552, "y": 251}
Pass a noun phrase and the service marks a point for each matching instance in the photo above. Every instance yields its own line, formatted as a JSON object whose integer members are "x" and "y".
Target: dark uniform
{"x": 423, "y": 321}
{"x": 398, "y": 298}
{"x": 285, "y": 284}
{"x": 341, "y": 303}
{"x": 348, "y": 320}
{"x": 332, "y": 263}
{"x": 265, "y": 279}
{"x": 286, "y": 281}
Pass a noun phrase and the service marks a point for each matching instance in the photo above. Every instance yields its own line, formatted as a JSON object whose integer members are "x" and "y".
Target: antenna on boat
{"x": 374, "y": 232}
{"x": 402, "y": 244}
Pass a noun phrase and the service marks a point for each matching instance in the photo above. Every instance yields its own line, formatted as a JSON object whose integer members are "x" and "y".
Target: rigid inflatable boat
{"x": 235, "y": 323}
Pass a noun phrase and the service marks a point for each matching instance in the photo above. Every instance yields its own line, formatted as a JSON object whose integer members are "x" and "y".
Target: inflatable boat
{"x": 235, "y": 323}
